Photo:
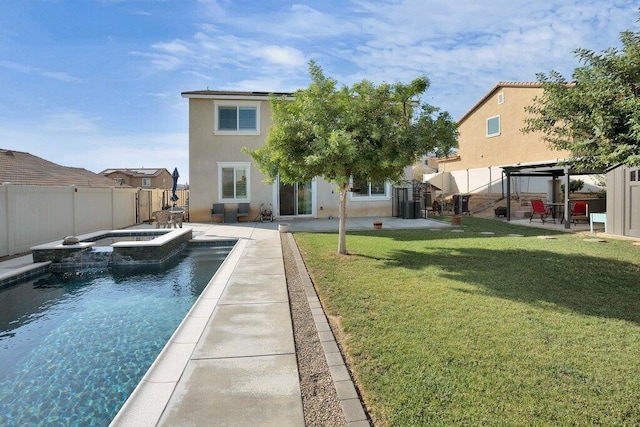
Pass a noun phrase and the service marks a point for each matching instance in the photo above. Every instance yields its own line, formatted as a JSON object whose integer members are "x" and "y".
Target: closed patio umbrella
{"x": 175, "y": 175}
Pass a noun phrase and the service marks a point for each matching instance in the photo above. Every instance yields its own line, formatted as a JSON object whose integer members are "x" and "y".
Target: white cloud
{"x": 70, "y": 122}
{"x": 175, "y": 47}
{"x": 161, "y": 61}
{"x": 282, "y": 55}
{"x": 463, "y": 48}
{"x": 26, "y": 69}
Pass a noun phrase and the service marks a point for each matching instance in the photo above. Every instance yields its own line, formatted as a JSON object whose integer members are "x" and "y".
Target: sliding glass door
{"x": 296, "y": 199}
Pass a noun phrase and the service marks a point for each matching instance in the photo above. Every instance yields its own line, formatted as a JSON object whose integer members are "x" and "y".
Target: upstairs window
{"x": 239, "y": 118}
{"x": 493, "y": 126}
{"x": 146, "y": 182}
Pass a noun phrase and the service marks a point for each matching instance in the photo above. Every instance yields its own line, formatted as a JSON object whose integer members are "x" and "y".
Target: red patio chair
{"x": 579, "y": 212}
{"x": 538, "y": 208}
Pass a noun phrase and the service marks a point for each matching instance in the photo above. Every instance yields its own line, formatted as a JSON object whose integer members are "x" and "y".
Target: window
{"x": 234, "y": 181}
{"x": 369, "y": 189}
{"x": 146, "y": 182}
{"x": 632, "y": 176}
{"x": 238, "y": 118}
{"x": 501, "y": 98}
{"x": 493, "y": 126}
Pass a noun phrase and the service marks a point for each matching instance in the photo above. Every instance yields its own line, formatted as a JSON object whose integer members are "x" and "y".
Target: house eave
{"x": 242, "y": 96}
{"x": 497, "y": 87}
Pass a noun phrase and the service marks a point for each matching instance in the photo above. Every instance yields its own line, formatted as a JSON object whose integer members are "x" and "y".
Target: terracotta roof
{"x": 500, "y": 85}
{"x": 136, "y": 173}
{"x": 22, "y": 168}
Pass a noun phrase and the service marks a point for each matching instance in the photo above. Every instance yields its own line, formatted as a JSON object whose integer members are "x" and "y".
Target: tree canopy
{"x": 366, "y": 132}
{"x": 596, "y": 116}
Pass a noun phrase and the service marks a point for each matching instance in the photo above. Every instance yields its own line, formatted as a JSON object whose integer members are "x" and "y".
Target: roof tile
{"x": 22, "y": 168}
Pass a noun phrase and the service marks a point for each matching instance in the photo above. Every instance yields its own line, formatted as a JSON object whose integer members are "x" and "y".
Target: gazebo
{"x": 554, "y": 170}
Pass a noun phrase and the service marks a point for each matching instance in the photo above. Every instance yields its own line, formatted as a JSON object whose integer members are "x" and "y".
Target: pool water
{"x": 73, "y": 346}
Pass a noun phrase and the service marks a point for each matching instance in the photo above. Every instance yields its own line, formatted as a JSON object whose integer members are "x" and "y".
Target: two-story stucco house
{"x": 490, "y": 137}
{"x": 142, "y": 177}
{"x": 221, "y": 123}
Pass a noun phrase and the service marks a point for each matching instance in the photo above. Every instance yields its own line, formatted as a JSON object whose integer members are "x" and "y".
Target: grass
{"x": 444, "y": 328}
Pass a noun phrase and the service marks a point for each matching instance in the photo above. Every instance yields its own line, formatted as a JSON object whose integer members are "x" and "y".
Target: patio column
{"x": 508, "y": 196}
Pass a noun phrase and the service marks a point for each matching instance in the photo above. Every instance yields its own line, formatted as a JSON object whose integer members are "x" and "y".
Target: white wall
{"x": 33, "y": 214}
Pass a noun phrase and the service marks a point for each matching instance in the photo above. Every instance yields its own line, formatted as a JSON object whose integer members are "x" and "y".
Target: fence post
{"x": 74, "y": 195}
{"x": 10, "y": 240}
{"x": 113, "y": 208}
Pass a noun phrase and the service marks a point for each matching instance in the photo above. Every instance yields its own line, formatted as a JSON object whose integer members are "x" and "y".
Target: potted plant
{"x": 283, "y": 227}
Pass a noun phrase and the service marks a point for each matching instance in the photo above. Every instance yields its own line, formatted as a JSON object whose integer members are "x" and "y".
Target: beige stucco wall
{"x": 206, "y": 149}
{"x": 511, "y": 146}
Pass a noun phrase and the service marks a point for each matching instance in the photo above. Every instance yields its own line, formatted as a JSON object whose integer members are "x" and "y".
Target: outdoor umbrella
{"x": 175, "y": 175}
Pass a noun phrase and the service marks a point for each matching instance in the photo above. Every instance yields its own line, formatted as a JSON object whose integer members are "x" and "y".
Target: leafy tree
{"x": 365, "y": 132}
{"x": 597, "y": 115}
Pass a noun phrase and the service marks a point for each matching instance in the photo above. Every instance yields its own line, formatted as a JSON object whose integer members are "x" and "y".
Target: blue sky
{"x": 96, "y": 83}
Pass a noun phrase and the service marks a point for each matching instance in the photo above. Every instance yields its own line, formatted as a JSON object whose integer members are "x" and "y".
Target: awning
{"x": 553, "y": 169}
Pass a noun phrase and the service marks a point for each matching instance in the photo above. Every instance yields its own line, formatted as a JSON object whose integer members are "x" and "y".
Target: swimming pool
{"x": 73, "y": 347}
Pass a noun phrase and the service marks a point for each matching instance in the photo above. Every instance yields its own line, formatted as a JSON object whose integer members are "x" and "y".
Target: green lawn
{"x": 445, "y": 328}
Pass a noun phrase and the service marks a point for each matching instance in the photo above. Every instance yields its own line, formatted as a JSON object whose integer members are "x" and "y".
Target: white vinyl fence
{"x": 33, "y": 214}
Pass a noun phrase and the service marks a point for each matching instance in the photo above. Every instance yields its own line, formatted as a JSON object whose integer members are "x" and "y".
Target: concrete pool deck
{"x": 233, "y": 358}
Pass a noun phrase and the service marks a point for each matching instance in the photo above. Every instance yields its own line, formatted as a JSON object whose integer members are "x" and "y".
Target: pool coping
{"x": 163, "y": 237}
{"x": 163, "y": 245}
{"x": 15, "y": 275}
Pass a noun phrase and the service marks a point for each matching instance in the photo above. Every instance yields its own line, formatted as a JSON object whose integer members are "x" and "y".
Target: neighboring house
{"x": 221, "y": 123}
{"x": 490, "y": 137}
{"x": 144, "y": 177}
{"x": 20, "y": 168}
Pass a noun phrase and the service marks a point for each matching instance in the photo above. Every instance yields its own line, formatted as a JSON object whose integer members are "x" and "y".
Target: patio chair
{"x": 218, "y": 212}
{"x": 163, "y": 219}
{"x": 579, "y": 212}
{"x": 177, "y": 216}
{"x": 538, "y": 208}
{"x": 243, "y": 211}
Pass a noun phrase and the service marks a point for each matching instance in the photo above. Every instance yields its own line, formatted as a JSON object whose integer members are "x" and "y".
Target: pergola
{"x": 555, "y": 170}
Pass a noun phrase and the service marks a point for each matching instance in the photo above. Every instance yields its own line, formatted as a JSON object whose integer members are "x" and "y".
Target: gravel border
{"x": 329, "y": 397}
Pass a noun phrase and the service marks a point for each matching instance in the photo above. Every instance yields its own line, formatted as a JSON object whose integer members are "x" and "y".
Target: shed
{"x": 623, "y": 200}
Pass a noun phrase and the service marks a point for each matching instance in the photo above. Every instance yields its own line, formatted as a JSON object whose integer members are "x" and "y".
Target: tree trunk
{"x": 342, "y": 224}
